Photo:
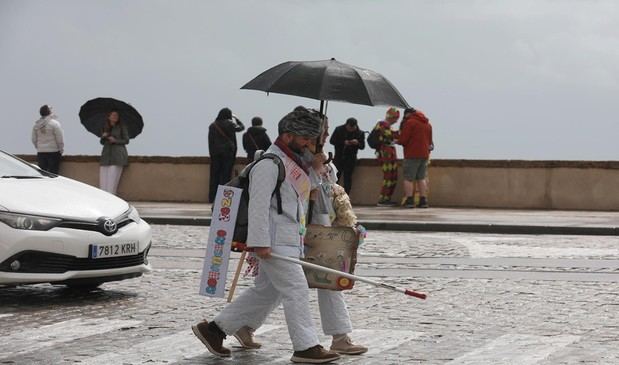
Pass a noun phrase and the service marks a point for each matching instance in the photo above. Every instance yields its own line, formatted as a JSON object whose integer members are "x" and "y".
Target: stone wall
{"x": 580, "y": 185}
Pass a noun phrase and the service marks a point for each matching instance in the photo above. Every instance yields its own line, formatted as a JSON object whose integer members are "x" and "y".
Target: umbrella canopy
{"x": 93, "y": 115}
{"x": 328, "y": 80}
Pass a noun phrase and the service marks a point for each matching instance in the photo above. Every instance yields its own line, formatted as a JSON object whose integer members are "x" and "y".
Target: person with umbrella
{"x": 271, "y": 232}
{"x": 324, "y": 210}
{"x": 334, "y": 315}
{"x": 114, "y": 157}
{"x": 222, "y": 149}
{"x": 114, "y": 122}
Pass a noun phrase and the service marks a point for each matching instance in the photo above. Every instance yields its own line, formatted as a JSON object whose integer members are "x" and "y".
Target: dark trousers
{"x": 49, "y": 161}
{"x": 221, "y": 172}
{"x": 345, "y": 169}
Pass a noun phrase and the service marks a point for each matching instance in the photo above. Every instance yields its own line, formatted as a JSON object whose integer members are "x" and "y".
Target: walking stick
{"x": 236, "y": 276}
{"x": 350, "y": 276}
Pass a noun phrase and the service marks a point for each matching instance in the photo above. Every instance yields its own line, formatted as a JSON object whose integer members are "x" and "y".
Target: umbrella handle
{"x": 329, "y": 159}
{"x": 319, "y": 146}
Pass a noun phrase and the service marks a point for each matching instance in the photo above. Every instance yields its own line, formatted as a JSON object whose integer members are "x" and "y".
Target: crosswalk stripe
{"x": 515, "y": 349}
{"x": 164, "y": 350}
{"x": 377, "y": 341}
{"x": 31, "y": 340}
{"x": 478, "y": 250}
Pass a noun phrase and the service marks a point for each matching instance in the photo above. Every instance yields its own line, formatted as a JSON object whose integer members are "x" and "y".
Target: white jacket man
{"x": 47, "y": 138}
{"x": 47, "y": 135}
{"x": 277, "y": 281}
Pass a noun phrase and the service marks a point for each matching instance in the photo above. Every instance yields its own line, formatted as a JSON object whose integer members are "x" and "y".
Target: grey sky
{"x": 498, "y": 79}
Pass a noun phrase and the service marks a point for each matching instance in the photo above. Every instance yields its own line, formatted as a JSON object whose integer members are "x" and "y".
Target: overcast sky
{"x": 517, "y": 79}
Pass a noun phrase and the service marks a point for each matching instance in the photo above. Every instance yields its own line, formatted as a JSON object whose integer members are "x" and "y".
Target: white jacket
{"x": 267, "y": 228}
{"x": 47, "y": 135}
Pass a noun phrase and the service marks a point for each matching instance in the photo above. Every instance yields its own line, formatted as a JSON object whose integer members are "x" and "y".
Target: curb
{"x": 428, "y": 227}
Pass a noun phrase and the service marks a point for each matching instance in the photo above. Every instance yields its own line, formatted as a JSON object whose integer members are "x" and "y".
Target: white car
{"x": 57, "y": 230}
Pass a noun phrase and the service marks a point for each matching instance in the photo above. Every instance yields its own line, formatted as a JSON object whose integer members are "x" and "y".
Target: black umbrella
{"x": 93, "y": 115}
{"x": 328, "y": 80}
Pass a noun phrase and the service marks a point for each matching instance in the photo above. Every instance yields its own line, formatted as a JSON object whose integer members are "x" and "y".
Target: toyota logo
{"x": 109, "y": 226}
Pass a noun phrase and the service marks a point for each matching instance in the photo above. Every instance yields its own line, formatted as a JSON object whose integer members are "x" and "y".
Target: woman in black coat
{"x": 222, "y": 149}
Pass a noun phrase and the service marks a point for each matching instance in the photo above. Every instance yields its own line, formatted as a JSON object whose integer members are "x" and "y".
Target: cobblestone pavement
{"x": 492, "y": 299}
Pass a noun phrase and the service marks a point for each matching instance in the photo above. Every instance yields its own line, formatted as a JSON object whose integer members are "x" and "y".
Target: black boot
{"x": 409, "y": 202}
{"x": 423, "y": 202}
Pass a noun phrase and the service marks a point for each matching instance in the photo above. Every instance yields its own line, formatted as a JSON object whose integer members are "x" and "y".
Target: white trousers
{"x": 334, "y": 315}
{"x": 109, "y": 177}
{"x": 277, "y": 281}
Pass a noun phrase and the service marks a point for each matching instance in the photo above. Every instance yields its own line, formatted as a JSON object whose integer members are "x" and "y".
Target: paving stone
{"x": 463, "y": 319}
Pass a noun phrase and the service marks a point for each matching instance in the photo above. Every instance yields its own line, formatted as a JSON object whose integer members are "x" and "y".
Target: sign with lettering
{"x": 215, "y": 268}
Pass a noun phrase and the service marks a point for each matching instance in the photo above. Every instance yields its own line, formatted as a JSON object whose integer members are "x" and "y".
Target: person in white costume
{"x": 334, "y": 315}
{"x": 277, "y": 281}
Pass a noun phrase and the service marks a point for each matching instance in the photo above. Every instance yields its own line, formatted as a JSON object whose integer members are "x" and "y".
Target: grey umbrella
{"x": 328, "y": 80}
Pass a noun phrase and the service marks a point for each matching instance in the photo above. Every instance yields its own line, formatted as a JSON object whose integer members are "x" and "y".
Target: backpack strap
{"x": 281, "y": 176}
{"x": 221, "y": 131}
{"x": 278, "y": 196}
{"x": 252, "y": 140}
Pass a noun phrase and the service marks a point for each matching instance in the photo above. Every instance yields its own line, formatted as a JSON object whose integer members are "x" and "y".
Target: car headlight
{"x": 133, "y": 214}
{"x": 28, "y": 222}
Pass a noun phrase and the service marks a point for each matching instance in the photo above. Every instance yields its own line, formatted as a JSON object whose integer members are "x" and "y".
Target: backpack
{"x": 374, "y": 138}
{"x": 242, "y": 182}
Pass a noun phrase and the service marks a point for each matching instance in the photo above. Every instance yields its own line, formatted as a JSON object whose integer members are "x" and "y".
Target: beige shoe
{"x": 245, "y": 336}
{"x": 345, "y": 346}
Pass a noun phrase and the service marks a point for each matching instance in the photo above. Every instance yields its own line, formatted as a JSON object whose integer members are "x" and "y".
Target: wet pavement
{"x": 492, "y": 299}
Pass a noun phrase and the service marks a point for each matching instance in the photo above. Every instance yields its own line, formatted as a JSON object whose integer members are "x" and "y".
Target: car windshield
{"x": 12, "y": 167}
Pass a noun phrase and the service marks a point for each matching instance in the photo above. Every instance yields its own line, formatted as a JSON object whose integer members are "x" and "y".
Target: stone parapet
{"x": 572, "y": 185}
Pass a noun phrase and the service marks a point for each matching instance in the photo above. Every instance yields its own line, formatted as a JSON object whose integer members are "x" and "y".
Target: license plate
{"x": 113, "y": 250}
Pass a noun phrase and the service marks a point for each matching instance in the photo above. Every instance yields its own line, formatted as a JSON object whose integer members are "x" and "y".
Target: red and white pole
{"x": 349, "y": 276}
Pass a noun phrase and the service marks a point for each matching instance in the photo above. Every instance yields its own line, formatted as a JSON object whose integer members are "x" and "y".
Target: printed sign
{"x": 215, "y": 269}
{"x": 332, "y": 247}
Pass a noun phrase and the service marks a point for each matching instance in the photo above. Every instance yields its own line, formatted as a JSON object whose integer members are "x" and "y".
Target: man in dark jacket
{"x": 222, "y": 149}
{"x": 347, "y": 140}
{"x": 255, "y": 138}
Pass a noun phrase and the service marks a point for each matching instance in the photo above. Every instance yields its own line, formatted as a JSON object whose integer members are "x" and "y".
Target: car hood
{"x": 59, "y": 197}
